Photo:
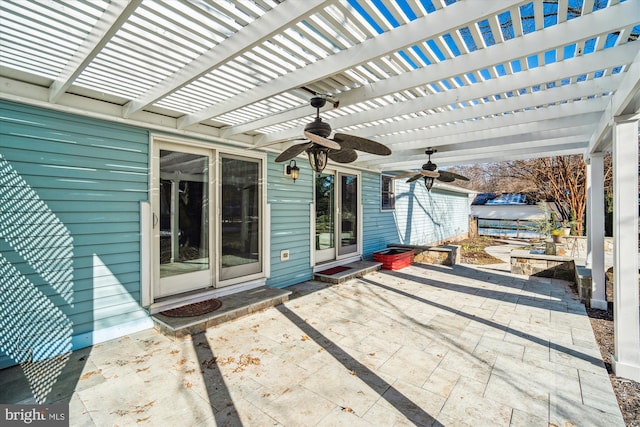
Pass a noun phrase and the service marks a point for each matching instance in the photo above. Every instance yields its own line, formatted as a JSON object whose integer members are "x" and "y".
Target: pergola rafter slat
{"x": 247, "y": 69}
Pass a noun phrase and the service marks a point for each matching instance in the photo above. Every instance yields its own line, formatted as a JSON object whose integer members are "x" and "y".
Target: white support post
{"x": 595, "y": 256}
{"x": 626, "y": 361}
{"x": 145, "y": 253}
{"x": 588, "y": 260}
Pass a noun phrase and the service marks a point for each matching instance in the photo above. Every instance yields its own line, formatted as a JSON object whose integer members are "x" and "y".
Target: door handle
{"x": 155, "y": 220}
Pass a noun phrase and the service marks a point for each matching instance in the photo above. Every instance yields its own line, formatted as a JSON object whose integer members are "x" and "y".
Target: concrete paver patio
{"x": 425, "y": 345}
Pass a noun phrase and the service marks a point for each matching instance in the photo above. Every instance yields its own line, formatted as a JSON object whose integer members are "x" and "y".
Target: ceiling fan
{"x": 430, "y": 173}
{"x": 341, "y": 149}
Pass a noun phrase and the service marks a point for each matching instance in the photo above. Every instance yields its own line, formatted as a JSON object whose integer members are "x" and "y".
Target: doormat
{"x": 334, "y": 270}
{"x": 195, "y": 309}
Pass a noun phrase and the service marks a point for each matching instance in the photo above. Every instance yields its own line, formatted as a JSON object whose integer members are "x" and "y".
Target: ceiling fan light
{"x": 318, "y": 157}
{"x": 428, "y": 182}
{"x": 293, "y": 170}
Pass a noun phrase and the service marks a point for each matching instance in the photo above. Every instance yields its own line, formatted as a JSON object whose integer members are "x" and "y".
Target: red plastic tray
{"x": 394, "y": 258}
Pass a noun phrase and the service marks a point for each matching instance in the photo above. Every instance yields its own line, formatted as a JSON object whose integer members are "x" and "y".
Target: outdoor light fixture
{"x": 293, "y": 171}
{"x": 428, "y": 182}
{"x": 318, "y": 156}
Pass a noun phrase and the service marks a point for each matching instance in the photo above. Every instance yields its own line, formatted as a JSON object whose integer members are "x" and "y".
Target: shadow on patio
{"x": 421, "y": 346}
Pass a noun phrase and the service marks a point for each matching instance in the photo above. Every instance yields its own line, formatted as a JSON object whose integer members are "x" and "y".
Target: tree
{"x": 560, "y": 179}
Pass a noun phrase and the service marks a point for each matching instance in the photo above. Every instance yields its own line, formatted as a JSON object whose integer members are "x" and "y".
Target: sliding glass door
{"x": 240, "y": 217}
{"x": 181, "y": 221}
{"x": 349, "y": 201}
{"x": 336, "y": 221}
{"x": 325, "y": 217}
{"x": 207, "y": 218}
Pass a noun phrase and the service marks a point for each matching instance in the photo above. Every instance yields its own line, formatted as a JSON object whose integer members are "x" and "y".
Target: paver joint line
{"x": 422, "y": 345}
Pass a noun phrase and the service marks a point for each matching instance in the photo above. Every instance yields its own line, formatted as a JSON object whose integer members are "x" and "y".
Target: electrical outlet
{"x": 284, "y": 255}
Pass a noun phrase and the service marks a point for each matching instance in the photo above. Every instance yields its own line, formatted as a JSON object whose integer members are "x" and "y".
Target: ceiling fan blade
{"x": 325, "y": 142}
{"x": 292, "y": 152}
{"x": 362, "y": 144}
{"x": 405, "y": 175}
{"x": 413, "y": 178}
{"x": 267, "y": 144}
{"x": 445, "y": 178}
{"x": 432, "y": 174}
{"x": 452, "y": 175}
{"x": 345, "y": 155}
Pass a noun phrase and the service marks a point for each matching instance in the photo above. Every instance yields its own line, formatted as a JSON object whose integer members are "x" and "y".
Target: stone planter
{"x": 553, "y": 266}
{"x": 439, "y": 255}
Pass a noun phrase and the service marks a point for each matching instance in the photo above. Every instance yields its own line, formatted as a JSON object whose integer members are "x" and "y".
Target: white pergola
{"x": 479, "y": 80}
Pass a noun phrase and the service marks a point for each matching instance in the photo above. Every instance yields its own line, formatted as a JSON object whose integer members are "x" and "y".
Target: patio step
{"x": 354, "y": 269}
{"x": 233, "y": 306}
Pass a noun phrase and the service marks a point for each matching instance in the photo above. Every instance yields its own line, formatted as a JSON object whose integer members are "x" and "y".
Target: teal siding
{"x": 290, "y": 221}
{"x": 379, "y": 228}
{"x": 70, "y": 193}
{"x": 70, "y": 189}
{"x": 419, "y": 218}
{"x": 435, "y": 216}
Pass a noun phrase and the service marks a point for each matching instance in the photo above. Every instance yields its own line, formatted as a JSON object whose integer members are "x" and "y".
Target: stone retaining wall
{"x": 540, "y": 265}
{"x": 584, "y": 284}
{"x": 578, "y": 244}
{"x": 441, "y": 255}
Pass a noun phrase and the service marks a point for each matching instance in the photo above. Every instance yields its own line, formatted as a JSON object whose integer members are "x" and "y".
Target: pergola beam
{"x": 116, "y": 14}
{"x": 498, "y": 54}
{"x": 506, "y": 106}
{"x": 263, "y": 28}
{"x": 543, "y": 146}
{"x": 627, "y": 91}
{"x": 567, "y": 115}
{"x": 424, "y": 124}
{"x": 402, "y": 37}
{"x": 509, "y": 83}
{"x": 455, "y": 143}
{"x": 491, "y": 157}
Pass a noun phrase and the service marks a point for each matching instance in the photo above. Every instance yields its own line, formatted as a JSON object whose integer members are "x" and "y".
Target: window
{"x": 387, "y": 195}
{"x": 240, "y": 217}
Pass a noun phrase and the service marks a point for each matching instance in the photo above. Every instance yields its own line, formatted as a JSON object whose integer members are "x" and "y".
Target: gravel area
{"x": 627, "y": 391}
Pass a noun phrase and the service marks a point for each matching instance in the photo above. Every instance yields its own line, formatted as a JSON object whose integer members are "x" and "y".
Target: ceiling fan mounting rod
{"x": 317, "y": 102}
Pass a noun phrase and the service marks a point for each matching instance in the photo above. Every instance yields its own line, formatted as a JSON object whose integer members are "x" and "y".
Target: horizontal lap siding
{"x": 70, "y": 192}
{"x": 290, "y": 221}
{"x": 419, "y": 217}
{"x": 427, "y": 217}
{"x": 379, "y": 228}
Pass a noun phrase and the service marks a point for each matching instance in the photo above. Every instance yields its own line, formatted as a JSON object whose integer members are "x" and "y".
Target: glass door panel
{"x": 240, "y": 252}
{"x": 182, "y": 229}
{"x": 348, "y": 242}
{"x": 325, "y": 217}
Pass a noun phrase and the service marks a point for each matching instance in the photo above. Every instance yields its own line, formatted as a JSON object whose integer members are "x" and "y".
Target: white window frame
{"x": 217, "y": 282}
{"x": 392, "y": 192}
